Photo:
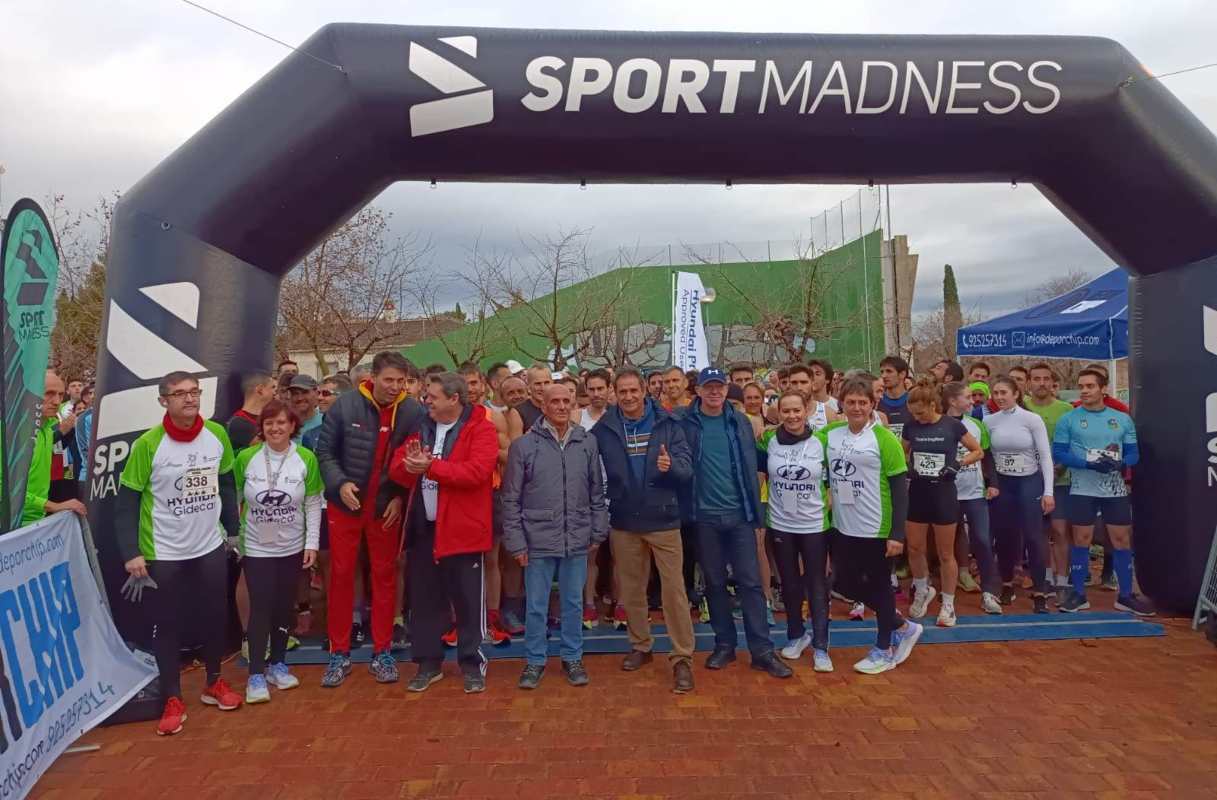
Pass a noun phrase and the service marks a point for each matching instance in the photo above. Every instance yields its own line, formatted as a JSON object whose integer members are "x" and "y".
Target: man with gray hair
{"x": 447, "y": 468}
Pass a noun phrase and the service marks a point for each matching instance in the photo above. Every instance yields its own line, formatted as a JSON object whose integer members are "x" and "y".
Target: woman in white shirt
{"x": 280, "y": 487}
{"x": 1022, "y": 456}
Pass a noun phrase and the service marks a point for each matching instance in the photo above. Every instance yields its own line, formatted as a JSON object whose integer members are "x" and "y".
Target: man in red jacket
{"x": 447, "y": 467}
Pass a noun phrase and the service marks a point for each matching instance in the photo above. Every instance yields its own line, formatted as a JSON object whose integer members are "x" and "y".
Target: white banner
{"x": 689, "y": 350}
{"x": 63, "y": 666}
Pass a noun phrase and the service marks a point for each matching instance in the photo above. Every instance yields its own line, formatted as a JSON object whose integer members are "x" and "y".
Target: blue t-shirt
{"x": 1088, "y": 433}
{"x": 717, "y": 487}
{"x": 637, "y": 438}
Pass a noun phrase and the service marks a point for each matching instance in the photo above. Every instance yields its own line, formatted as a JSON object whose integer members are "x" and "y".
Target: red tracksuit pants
{"x": 384, "y": 546}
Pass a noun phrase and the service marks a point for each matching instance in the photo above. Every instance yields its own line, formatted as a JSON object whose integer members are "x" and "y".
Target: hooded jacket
{"x": 654, "y": 503}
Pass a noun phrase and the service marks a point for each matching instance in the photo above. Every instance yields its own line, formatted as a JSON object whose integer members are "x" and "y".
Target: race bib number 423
{"x": 929, "y": 465}
{"x": 200, "y": 483}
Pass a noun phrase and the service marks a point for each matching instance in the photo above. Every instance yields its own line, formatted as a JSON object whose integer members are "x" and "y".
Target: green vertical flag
{"x": 27, "y": 315}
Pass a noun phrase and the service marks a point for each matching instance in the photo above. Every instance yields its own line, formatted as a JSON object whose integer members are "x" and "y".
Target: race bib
{"x": 1097, "y": 454}
{"x": 929, "y": 465}
{"x": 1010, "y": 463}
{"x": 960, "y": 454}
{"x": 200, "y": 483}
{"x": 843, "y": 492}
{"x": 897, "y": 428}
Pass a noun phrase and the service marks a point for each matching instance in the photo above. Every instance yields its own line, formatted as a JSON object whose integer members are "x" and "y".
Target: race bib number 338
{"x": 200, "y": 483}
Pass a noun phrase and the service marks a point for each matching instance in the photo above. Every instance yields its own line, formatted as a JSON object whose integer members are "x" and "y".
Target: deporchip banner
{"x": 689, "y": 350}
{"x": 27, "y": 315}
{"x": 63, "y": 667}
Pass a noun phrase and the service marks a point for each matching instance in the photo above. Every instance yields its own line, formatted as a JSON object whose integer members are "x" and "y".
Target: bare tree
{"x": 932, "y": 338}
{"x": 336, "y": 299}
{"x": 1055, "y": 287}
{"x": 467, "y": 343}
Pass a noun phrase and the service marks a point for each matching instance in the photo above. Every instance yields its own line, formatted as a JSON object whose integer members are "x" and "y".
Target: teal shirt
{"x": 717, "y": 486}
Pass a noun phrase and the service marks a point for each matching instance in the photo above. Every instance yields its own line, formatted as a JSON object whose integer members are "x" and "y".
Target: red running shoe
{"x": 221, "y": 695}
{"x": 619, "y": 618}
{"x": 172, "y": 718}
{"x": 591, "y": 617}
{"x": 449, "y": 638}
{"x": 494, "y": 629}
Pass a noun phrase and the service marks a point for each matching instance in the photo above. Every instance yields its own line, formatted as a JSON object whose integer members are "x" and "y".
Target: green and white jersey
{"x": 859, "y": 465}
{"x": 970, "y": 482}
{"x": 178, "y": 482}
{"x": 796, "y": 484}
{"x": 285, "y": 518}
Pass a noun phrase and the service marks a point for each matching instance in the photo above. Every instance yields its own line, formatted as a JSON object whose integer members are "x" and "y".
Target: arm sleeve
{"x": 475, "y": 471}
{"x": 509, "y": 494}
{"x": 595, "y": 477}
{"x": 312, "y": 522}
{"x": 899, "y": 490}
{"x": 126, "y": 522}
{"x": 1063, "y": 454}
{"x": 1043, "y": 449}
{"x": 230, "y": 516}
{"x": 1131, "y": 453}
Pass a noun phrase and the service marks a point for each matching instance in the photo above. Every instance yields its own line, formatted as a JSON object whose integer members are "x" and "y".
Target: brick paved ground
{"x": 1113, "y": 718}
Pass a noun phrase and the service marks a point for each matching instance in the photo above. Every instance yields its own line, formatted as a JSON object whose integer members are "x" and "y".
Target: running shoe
{"x": 820, "y": 661}
{"x": 876, "y": 661}
{"x": 921, "y": 602}
{"x": 904, "y": 641}
{"x": 620, "y": 622}
{"x": 304, "y": 621}
{"x": 1076, "y": 602}
{"x": 383, "y": 667}
{"x": 591, "y": 617}
{"x": 292, "y": 644}
{"x": 449, "y": 638}
{"x": 1062, "y": 594}
{"x": 1007, "y": 596}
{"x": 530, "y": 678}
{"x": 1109, "y": 583}
{"x": 1039, "y": 604}
{"x": 704, "y": 609}
{"x": 424, "y": 678}
{"x": 400, "y": 641}
{"x": 946, "y": 615}
{"x": 498, "y": 633}
{"x": 512, "y": 622}
{"x": 221, "y": 695}
{"x": 172, "y": 717}
{"x": 336, "y": 671}
{"x": 576, "y": 673}
{"x": 256, "y": 690}
{"x": 858, "y": 611}
{"x": 793, "y": 650}
{"x": 990, "y": 604}
{"x": 1135, "y": 604}
{"x": 967, "y": 583}
{"x": 280, "y": 677}
{"x": 474, "y": 683}
{"x": 359, "y": 635}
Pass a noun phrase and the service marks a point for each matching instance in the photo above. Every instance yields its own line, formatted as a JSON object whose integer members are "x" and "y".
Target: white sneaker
{"x": 921, "y": 602}
{"x": 876, "y": 661}
{"x": 794, "y": 649}
{"x": 858, "y": 611}
{"x": 278, "y": 676}
{"x": 903, "y": 641}
{"x": 990, "y": 603}
{"x": 946, "y": 615}
{"x": 966, "y": 582}
{"x": 256, "y": 691}
{"x": 820, "y": 661}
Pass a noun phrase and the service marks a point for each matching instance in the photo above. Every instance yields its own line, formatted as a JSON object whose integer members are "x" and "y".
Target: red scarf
{"x": 183, "y": 434}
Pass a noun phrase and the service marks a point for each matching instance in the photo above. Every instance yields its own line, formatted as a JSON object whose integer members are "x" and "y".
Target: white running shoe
{"x": 278, "y": 676}
{"x": 946, "y": 615}
{"x": 256, "y": 691}
{"x": 876, "y": 661}
{"x": 966, "y": 582}
{"x": 921, "y": 602}
{"x": 858, "y": 611}
{"x": 990, "y": 603}
{"x": 903, "y": 641}
{"x": 793, "y": 650}
{"x": 820, "y": 661}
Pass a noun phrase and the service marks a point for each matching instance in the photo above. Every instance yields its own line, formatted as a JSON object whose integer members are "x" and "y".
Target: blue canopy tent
{"x": 1090, "y": 322}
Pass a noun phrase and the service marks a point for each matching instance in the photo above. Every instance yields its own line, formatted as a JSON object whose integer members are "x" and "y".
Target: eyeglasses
{"x": 326, "y": 392}
{"x": 184, "y": 394}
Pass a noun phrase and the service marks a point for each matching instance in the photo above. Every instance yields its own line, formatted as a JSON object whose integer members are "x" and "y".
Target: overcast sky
{"x": 95, "y": 94}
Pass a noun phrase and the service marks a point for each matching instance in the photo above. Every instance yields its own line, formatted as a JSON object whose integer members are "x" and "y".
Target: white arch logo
{"x": 466, "y": 108}
{"x": 1210, "y": 344}
{"x": 149, "y": 358}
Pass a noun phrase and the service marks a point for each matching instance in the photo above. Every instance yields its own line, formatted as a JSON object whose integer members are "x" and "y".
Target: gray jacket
{"x": 553, "y": 496}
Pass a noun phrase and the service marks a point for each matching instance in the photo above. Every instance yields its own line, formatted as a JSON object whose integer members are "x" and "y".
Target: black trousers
{"x": 196, "y": 588}
{"x": 802, "y": 559}
{"x": 454, "y": 582}
{"x": 272, "y": 595}
{"x": 862, "y": 571}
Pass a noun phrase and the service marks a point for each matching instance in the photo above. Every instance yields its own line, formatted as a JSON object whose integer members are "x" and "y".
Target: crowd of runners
{"x": 436, "y": 508}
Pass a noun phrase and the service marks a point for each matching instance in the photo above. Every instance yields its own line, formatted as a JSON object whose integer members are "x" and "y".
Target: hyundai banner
{"x": 63, "y": 667}
{"x": 689, "y": 350}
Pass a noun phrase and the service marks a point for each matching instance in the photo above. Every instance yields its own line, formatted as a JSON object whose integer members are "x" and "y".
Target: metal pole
{"x": 891, "y": 242}
{"x": 865, "y": 284}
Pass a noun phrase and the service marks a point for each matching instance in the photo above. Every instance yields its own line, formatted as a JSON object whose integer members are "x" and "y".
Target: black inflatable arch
{"x": 199, "y": 246}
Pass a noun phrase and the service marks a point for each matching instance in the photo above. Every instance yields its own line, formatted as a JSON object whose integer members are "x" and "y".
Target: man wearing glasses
{"x": 176, "y": 504}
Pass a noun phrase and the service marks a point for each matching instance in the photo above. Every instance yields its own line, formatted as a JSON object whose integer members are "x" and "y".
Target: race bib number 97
{"x": 1010, "y": 463}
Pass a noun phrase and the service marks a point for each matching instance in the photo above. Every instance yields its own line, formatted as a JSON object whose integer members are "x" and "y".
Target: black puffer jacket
{"x": 347, "y": 445}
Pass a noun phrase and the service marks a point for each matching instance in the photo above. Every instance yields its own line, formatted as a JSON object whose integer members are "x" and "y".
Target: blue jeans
{"x": 732, "y": 539}
{"x": 538, "y": 578}
{"x": 1018, "y": 520}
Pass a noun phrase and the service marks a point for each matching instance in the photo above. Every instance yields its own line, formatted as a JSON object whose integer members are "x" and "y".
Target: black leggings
{"x": 806, "y": 582}
{"x": 196, "y": 590}
{"x": 862, "y": 571}
{"x": 272, "y": 594}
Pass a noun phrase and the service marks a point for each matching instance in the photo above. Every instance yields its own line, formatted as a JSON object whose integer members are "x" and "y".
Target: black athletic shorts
{"x": 933, "y": 502}
{"x": 1083, "y": 510}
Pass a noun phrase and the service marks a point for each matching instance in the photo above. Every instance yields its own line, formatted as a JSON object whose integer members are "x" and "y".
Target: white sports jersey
{"x": 859, "y": 465}
{"x": 796, "y": 484}
{"x": 285, "y": 519}
{"x": 818, "y": 418}
{"x": 970, "y": 482}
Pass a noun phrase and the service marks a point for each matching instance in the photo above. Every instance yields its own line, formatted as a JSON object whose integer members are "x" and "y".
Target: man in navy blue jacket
{"x": 646, "y": 461}
{"x": 723, "y": 499}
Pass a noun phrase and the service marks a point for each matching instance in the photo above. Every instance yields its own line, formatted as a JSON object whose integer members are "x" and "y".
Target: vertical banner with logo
{"x": 689, "y": 350}
{"x": 63, "y": 667}
{"x": 27, "y": 315}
